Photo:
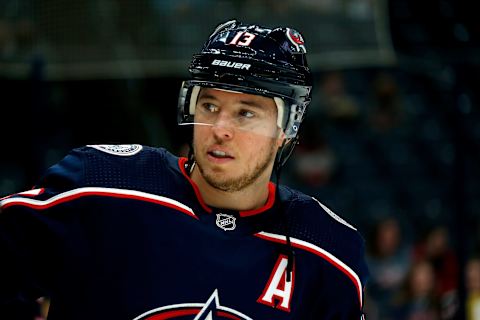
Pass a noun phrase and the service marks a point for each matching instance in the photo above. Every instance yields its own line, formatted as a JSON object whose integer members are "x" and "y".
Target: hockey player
{"x": 133, "y": 232}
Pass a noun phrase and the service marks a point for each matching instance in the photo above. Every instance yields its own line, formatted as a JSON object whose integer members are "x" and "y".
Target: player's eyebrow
{"x": 252, "y": 103}
{"x": 247, "y": 102}
{"x": 207, "y": 96}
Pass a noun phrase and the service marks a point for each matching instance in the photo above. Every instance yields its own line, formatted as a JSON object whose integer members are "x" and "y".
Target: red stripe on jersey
{"x": 173, "y": 314}
{"x": 103, "y": 192}
{"x": 268, "y": 204}
{"x": 337, "y": 263}
{"x": 181, "y": 164}
{"x": 226, "y": 315}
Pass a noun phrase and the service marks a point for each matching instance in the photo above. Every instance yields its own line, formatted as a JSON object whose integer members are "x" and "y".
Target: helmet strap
{"x": 190, "y": 164}
{"x": 285, "y": 151}
{"x": 279, "y": 162}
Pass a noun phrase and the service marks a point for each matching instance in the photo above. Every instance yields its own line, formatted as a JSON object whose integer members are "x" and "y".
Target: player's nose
{"x": 223, "y": 127}
{"x": 223, "y": 132}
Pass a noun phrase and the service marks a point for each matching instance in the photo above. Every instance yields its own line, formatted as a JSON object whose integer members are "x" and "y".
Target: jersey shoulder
{"x": 314, "y": 209}
{"x": 312, "y": 221}
{"x": 125, "y": 166}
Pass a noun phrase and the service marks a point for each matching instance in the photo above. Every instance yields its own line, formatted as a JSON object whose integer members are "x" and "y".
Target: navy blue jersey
{"x": 121, "y": 232}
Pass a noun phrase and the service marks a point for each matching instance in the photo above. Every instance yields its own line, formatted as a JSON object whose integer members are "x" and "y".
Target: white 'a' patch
{"x": 333, "y": 215}
{"x": 123, "y": 150}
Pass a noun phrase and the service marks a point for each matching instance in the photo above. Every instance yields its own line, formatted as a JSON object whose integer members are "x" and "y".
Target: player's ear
{"x": 281, "y": 138}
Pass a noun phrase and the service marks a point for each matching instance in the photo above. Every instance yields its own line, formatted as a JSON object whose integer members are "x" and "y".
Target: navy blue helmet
{"x": 256, "y": 60}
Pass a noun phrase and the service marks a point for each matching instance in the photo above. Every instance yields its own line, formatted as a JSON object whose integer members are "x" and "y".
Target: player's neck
{"x": 251, "y": 197}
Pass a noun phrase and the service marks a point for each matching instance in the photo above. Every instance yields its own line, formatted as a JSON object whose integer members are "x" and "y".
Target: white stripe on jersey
{"x": 95, "y": 191}
{"x": 333, "y": 215}
{"x": 319, "y": 252}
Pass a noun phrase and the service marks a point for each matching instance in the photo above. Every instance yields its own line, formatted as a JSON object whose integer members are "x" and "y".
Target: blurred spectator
{"x": 25, "y": 36}
{"x": 472, "y": 284}
{"x": 7, "y": 45}
{"x": 387, "y": 110}
{"x": 437, "y": 250}
{"x": 314, "y": 162}
{"x": 335, "y": 103}
{"x": 388, "y": 258}
{"x": 417, "y": 299}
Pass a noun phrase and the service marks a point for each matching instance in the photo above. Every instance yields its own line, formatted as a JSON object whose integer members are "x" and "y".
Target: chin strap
{"x": 190, "y": 164}
{"x": 285, "y": 151}
{"x": 279, "y": 162}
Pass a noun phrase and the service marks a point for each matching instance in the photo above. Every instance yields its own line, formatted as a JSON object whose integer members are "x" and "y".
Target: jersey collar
{"x": 270, "y": 200}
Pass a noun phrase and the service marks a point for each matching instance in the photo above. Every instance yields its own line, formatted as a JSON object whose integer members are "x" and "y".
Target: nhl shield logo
{"x": 225, "y": 221}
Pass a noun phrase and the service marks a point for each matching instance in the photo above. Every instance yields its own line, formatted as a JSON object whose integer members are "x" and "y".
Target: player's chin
{"x": 223, "y": 182}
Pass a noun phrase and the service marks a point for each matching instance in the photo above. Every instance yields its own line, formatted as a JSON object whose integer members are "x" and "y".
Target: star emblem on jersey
{"x": 226, "y": 221}
{"x": 210, "y": 310}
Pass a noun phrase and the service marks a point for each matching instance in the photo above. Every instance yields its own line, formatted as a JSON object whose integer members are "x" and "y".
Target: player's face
{"x": 235, "y": 138}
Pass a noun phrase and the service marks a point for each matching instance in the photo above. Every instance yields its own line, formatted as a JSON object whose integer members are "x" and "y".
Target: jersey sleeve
{"x": 30, "y": 234}
{"x": 346, "y": 298}
{"x": 64, "y": 175}
{"x": 340, "y": 271}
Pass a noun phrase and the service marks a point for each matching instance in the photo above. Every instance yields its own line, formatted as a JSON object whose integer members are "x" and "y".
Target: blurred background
{"x": 391, "y": 141}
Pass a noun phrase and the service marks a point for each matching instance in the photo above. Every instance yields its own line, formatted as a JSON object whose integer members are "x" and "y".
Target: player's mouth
{"x": 219, "y": 156}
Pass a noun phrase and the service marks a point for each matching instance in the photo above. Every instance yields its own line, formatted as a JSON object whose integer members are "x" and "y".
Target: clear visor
{"x": 231, "y": 112}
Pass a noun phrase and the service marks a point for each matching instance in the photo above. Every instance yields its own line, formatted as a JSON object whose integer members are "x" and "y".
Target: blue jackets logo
{"x": 211, "y": 310}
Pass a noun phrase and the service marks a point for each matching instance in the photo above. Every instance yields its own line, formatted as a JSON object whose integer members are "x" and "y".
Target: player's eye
{"x": 247, "y": 114}
{"x": 209, "y": 107}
